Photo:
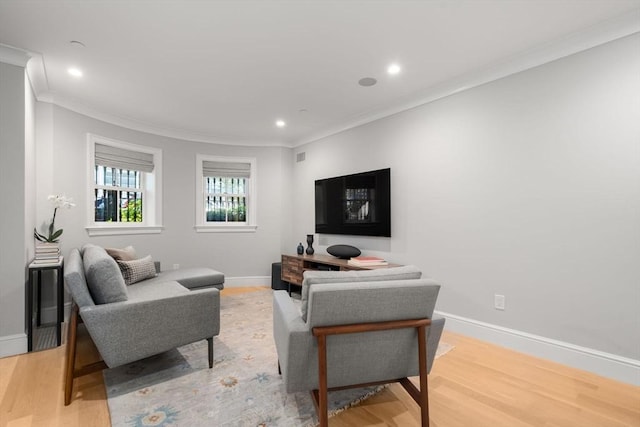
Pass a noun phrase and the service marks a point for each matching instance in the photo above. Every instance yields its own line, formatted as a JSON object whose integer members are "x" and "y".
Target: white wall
{"x": 14, "y": 120}
{"x": 247, "y": 255}
{"x": 29, "y": 167}
{"x": 528, "y": 187}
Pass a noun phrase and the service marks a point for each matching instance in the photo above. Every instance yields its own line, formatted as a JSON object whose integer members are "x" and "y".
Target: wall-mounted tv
{"x": 358, "y": 204}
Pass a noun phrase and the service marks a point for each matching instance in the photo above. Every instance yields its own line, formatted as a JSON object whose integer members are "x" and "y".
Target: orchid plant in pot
{"x": 53, "y": 234}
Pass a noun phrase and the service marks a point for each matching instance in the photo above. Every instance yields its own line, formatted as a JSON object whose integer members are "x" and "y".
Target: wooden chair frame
{"x": 420, "y": 396}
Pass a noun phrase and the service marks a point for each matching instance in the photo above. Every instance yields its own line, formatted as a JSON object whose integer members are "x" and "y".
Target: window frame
{"x": 152, "y": 190}
{"x": 201, "y": 224}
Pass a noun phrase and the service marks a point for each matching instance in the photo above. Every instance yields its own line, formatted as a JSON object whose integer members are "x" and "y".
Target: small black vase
{"x": 310, "y": 250}
{"x": 300, "y": 249}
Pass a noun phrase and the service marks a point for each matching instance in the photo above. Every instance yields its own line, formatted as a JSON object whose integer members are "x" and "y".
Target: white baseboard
{"x": 241, "y": 282}
{"x": 11, "y": 345}
{"x": 598, "y": 362}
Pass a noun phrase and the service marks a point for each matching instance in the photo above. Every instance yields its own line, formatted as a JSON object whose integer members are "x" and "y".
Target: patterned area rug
{"x": 243, "y": 388}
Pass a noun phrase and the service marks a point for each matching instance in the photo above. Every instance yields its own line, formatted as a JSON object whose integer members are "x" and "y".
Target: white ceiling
{"x": 224, "y": 71}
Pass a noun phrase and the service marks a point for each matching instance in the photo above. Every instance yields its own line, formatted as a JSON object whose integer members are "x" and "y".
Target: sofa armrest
{"x": 293, "y": 338}
{"x": 131, "y": 330}
{"x": 433, "y": 339}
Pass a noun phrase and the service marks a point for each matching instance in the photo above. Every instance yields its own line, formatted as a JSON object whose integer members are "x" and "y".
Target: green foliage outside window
{"x": 132, "y": 212}
{"x": 233, "y": 214}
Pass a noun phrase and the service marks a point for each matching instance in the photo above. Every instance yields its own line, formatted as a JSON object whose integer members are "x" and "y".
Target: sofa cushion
{"x": 407, "y": 272}
{"x": 124, "y": 254}
{"x": 145, "y": 291}
{"x": 85, "y": 246}
{"x": 137, "y": 269}
{"x": 192, "y": 278}
{"x": 103, "y": 276}
{"x": 75, "y": 280}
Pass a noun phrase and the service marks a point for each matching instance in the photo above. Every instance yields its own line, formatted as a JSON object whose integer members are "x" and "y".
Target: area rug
{"x": 176, "y": 388}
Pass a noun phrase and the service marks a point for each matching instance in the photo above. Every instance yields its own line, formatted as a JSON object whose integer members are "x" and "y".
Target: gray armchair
{"x": 129, "y": 323}
{"x": 358, "y": 328}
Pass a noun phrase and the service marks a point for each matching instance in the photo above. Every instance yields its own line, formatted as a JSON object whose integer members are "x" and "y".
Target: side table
{"x": 36, "y": 268}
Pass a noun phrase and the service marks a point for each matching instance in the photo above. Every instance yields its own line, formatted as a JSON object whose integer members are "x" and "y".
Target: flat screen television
{"x": 358, "y": 204}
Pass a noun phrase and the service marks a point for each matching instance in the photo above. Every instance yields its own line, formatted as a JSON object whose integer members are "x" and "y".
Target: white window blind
{"x": 226, "y": 169}
{"x": 120, "y": 158}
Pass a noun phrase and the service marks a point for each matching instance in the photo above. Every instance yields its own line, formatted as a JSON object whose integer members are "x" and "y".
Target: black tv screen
{"x": 358, "y": 204}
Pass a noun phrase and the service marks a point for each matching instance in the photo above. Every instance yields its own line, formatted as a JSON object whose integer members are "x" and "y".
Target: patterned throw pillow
{"x": 137, "y": 270}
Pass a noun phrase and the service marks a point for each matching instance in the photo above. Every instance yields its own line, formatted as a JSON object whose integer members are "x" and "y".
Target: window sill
{"x": 226, "y": 228}
{"x": 115, "y": 230}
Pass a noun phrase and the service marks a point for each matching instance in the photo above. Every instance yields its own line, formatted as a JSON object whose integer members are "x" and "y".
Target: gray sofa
{"x": 371, "y": 302}
{"x": 131, "y": 322}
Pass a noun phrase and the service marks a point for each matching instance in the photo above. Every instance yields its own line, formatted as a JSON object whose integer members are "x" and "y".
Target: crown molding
{"x": 37, "y": 74}
{"x": 132, "y": 124}
{"x": 605, "y": 32}
{"x": 14, "y": 56}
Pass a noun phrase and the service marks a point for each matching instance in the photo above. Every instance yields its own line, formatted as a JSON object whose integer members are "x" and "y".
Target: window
{"x": 125, "y": 186}
{"x": 225, "y": 199}
{"x": 226, "y": 194}
{"x": 118, "y": 194}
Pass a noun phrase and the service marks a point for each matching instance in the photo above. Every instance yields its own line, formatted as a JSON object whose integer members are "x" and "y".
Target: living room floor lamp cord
{"x": 420, "y": 396}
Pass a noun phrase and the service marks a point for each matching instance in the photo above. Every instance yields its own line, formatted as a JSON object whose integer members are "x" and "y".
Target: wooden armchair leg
{"x": 322, "y": 406}
{"x": 420, "y": 396}
{"x": 70, "y": 365}
{"x": 424, "y": 387}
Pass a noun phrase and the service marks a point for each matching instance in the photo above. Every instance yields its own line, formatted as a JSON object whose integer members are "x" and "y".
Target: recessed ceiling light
{"x": 75, "y": 72}
{"x": 367, "y": 81}
{"x": 393, "y": 69}
{"x": 280, "y": 123}
{"x": 76, "y": 43}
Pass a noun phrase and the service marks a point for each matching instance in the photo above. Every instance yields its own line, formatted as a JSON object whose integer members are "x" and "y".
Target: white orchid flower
{"x": 58, "y": 202}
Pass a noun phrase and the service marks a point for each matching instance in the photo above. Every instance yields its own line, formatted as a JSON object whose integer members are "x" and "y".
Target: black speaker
{"x": 276, "y": 278}
{"x": 343, "y": 251}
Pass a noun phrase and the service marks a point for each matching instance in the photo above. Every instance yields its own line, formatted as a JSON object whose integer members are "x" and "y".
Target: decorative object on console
{"x": 310, "y": 250}
{"x": 46, "y": 253}
{"x": 343, "y": 251}
{"x": 364, "y": 261}
{"x": 300, "y": 249}
{"x": 53, "y": 234}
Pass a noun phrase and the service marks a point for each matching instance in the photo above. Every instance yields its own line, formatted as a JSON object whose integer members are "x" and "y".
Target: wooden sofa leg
{"x": 210, "y": 343}
{"x": 71, "y": 372}
{"x": 71, "y": 354}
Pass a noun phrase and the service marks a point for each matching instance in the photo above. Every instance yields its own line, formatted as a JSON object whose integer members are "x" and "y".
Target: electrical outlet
{"x": 498, "y": 302}
{"x": 176, "y": 266}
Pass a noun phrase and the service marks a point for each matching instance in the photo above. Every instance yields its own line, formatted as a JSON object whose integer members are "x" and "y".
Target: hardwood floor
{"x": 475, "y": 385}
